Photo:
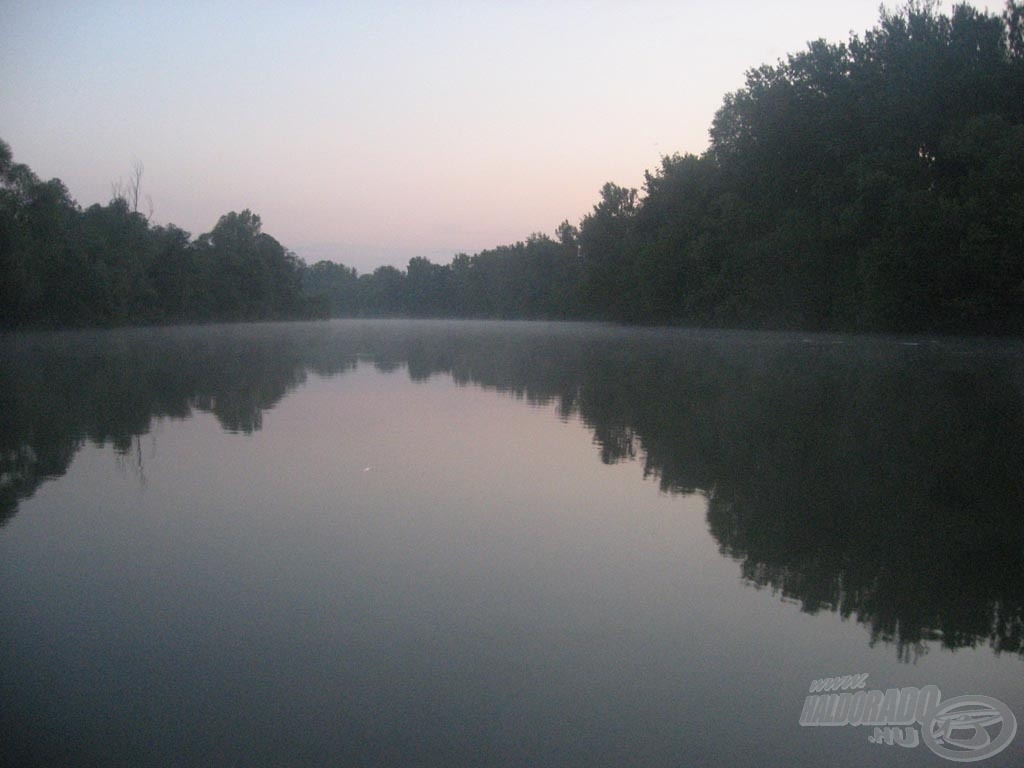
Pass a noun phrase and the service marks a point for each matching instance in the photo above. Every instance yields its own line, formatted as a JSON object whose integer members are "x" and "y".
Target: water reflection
{"x": 881, "y": 481}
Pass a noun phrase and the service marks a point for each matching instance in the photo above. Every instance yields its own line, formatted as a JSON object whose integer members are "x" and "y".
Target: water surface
{"x": 414, "y": 543}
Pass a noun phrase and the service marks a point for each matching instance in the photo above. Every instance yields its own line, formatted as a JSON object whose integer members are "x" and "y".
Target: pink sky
{"x": 369, "y": 133}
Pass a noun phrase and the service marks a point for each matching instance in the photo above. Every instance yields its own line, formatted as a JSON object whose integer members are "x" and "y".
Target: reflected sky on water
{"x": 414, "y": 543}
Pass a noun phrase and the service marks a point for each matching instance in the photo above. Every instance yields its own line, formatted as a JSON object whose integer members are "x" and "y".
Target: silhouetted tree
{"x": 873, "y": 184}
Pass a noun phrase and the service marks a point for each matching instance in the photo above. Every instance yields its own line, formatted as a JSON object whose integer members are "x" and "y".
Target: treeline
{"x": 108, "y": 265}
{"x": 873, "y": 185}
{"x": 536, "y": 279}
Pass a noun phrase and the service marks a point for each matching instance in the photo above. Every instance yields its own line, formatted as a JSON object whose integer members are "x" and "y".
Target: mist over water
{"x": 474, "y": 543}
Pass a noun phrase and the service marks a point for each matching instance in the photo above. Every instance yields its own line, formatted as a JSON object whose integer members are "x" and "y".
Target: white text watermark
{"x": 963, "y": 729}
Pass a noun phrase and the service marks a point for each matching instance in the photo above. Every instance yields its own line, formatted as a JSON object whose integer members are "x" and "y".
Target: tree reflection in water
{"x": 868, "y": 477}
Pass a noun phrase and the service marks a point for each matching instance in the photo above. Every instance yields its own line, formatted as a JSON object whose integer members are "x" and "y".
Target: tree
{"x": 173, "y": 273}
{"x": 333, "y": 284}
{"x": 427, "y": 288}
{"x": 607, "y": 255}
{"x": 130, "y": 191}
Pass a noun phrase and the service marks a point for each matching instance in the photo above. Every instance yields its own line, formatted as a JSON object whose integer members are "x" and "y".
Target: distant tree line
{"x": 536, "y": 279}
{"x": 872, "y": 185}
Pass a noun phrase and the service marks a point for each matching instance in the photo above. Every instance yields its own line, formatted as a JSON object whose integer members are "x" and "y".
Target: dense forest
{"x": 871, "y": 185}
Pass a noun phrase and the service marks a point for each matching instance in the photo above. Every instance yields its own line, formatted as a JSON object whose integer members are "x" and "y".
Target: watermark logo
{"x": 963, "y": 729}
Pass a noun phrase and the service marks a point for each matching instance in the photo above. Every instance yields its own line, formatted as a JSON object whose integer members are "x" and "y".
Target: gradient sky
{"x": 369, "y": 133}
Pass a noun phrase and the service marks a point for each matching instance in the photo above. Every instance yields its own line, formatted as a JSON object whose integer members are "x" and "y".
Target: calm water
{"x": 446, "y": 544}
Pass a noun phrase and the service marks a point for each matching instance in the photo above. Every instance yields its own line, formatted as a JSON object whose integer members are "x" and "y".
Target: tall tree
{"x": 607, "y": 255}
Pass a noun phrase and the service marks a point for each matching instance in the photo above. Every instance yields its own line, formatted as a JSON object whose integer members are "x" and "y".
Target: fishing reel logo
{"x": 960, "y": 728}
{"x": 963, "y": 729}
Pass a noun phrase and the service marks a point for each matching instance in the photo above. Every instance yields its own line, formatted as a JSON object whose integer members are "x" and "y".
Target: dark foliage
{"x": 107, "y": 265}
{"x": 871, "y": 185}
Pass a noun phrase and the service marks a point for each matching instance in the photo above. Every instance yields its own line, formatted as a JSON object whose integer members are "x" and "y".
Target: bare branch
{"x": 135, "y": 184}
{"x": 117, "y": 191}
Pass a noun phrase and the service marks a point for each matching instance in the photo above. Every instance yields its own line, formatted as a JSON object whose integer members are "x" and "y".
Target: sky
{"x": 372, "y": 132}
